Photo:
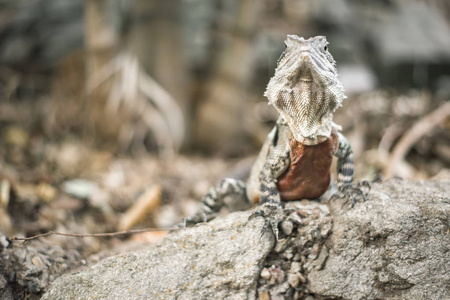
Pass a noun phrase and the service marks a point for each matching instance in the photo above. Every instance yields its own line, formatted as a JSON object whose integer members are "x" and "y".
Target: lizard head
{"x": 305, "y": 88}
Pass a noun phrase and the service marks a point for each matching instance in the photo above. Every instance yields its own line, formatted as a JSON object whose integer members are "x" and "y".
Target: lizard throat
{"x": 307, "y": 108}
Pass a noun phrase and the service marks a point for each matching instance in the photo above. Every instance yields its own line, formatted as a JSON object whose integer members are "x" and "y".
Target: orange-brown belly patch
{"x": 308, "y": 175}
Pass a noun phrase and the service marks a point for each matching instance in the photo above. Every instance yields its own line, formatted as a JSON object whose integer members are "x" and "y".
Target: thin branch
{"x": 414, "y": 134}
{"x": 106, "y": 234}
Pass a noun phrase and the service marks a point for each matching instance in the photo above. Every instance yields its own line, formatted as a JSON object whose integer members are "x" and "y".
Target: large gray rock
{"x": 394, "y": 246}
{"x": 216, "y": 261}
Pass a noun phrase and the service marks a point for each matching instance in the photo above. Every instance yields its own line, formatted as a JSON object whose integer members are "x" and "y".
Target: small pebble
{"x": 288, "y": 254}
{"x": 293, "y": 280}
{"x": 324, "y": 209}
{"x": 297, "y": 257}
{"x": 282, "y": 288}
{"x": 278, "y": 274}
{"x": 301, "y": 277}
{"x": 281, "y": 246}
{"x": 287, "y": 227}
{"x": 265, "y": 273}
{"x": 45, "y": 192}
{"x": 3, "y": 242}
{"x": 37, "y": 261}
{"x": 314, "y": 252}
{"x": 264, "y": 295}
{"x": 295, "y": 267}
{"x": 301, "y": 242}
{"x": 324, "y": 232}
{"x": 80, "y": 188}
{"x": 316, "y": 214}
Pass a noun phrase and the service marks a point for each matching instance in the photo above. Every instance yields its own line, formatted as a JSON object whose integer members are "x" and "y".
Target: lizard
{"x": 294, "y": 161}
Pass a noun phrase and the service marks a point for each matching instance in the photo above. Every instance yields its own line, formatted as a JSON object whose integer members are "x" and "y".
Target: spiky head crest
{"x": 305, "y": 88}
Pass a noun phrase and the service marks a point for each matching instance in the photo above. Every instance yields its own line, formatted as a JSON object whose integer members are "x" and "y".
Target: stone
{"x": 265, "y": 273}
{"x": 393, "y": 246}
{"x": 28, "y": 269}
{"x": 295, "y": 267}
{"x": 287, "y": 227}
{"x": 293, "y": 280}
{"x": 5, "y": 289}
{"x": 217, "y": 260}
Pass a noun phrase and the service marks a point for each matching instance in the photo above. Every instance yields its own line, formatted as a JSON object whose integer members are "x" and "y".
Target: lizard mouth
{"x": 306, "y": 73}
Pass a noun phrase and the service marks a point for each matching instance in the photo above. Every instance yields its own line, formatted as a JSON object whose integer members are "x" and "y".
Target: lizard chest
{"x": 308, "y": 175}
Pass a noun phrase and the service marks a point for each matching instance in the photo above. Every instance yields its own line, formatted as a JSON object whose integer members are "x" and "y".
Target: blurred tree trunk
{"x": 156, "y": 39}
{"x": 100, "y": 43}
{"x": 100, "y": 38}
{"x": 220, "y": 117}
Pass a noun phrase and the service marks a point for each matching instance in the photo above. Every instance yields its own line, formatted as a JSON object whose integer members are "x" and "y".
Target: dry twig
{"x": 424, "y": 126}
{"x": 145, "y": 204}
{"x": 106, "y": 234}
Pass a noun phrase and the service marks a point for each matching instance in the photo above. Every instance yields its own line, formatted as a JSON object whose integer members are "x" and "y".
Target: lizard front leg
{"x": 346, "y": 187}
{"x": 228, "y": 193}
{"x": 270, "y": 200}
{"x": 275, "y": 165}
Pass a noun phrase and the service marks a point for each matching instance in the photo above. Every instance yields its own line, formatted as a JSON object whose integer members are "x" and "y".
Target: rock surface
{"x": 5, "y": 290}
{"x": 27, "y": 270}
{"x": 215, "y": 261}
{"x": 396, "y": 245}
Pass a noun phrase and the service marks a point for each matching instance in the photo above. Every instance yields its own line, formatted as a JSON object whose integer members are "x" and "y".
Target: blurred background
{"x": 106, "y": 105}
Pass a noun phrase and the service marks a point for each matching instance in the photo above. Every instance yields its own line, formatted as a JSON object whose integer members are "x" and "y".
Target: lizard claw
{"x": 192, "y": 220}
{"x": 353, "y": 192}
{"x": 273, "y": 215}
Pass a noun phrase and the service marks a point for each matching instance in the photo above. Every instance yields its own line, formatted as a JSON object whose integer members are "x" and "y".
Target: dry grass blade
{"x": 162, "y": 135}
{"x": 165, "y": 102}
{"x": 142, "y": 97}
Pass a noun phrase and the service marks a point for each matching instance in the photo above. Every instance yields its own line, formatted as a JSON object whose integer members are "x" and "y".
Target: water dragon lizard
{"x": 294, "y": 162}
